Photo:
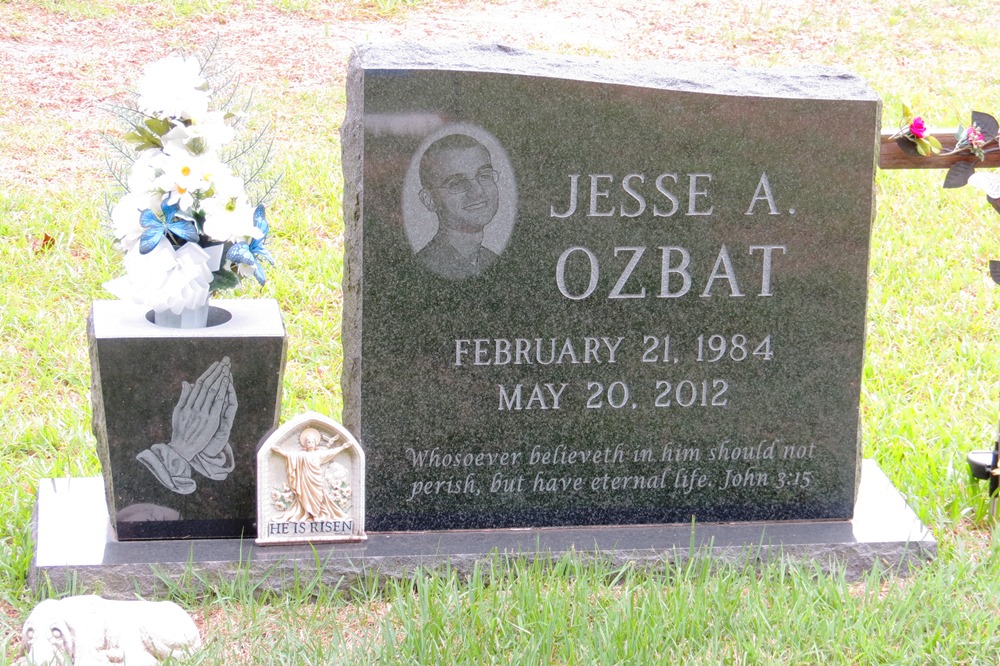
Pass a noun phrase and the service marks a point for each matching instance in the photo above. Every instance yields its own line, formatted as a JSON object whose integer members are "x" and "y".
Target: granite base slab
{"x": 74, "y": 546}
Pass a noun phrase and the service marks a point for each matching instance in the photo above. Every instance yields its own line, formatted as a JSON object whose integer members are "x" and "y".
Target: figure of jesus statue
{"x": 305, "y": 477}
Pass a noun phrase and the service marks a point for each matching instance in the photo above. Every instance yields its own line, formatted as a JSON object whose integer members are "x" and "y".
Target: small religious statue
{"x": 313, "y": 494}
{"x": 310, "y": 483}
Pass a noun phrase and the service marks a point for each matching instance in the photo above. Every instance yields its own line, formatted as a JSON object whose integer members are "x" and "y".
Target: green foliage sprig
{"x": 981, "y": 137}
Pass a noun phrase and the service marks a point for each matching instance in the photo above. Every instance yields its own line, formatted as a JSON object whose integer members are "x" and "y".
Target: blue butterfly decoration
{"x": 250, "y": 253}
{"x": 155, "y": 228}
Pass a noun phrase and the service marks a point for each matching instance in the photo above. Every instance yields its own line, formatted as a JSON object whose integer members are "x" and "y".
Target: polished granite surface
{"x": 73, "y": 543}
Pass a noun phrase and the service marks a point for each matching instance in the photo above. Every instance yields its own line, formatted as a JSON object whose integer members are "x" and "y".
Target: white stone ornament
{"x": 310, "y": 483}
{"x": 92, "y": 631}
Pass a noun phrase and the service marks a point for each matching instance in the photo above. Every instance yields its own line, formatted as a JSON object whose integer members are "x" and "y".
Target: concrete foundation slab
{"x": 74, "y": 546}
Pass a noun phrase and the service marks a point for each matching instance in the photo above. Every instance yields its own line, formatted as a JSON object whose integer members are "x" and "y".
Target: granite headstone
{"x": 581, "y": 292}
{"x": 178, "y": 415}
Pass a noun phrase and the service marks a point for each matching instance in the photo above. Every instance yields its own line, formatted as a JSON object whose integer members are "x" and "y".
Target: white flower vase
{"x": 195, "y": 317}
{"x": 174, "y": 283}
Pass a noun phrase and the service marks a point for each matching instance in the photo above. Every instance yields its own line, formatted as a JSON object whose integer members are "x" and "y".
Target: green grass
{"x": 696, "y": 612}
{"x": 581, "y": 610}
{"x": 930, "y": 389}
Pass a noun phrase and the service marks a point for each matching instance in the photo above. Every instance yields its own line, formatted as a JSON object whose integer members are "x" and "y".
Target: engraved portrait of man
{"x": 460, "y": 185}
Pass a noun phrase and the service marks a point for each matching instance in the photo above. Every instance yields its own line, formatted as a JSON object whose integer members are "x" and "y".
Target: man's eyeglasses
{"x": 461, "y": 184}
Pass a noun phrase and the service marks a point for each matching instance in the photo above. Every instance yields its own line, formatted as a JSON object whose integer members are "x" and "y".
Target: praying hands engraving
{"x": 201, "y": 423}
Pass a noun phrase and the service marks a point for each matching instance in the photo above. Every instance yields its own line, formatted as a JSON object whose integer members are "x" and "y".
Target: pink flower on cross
{"x": 975, "y": 137}
{"x": 918, "y": 128}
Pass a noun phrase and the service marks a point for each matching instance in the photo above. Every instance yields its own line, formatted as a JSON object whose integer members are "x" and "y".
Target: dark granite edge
{"x": 807, "y": 82}
{"x": 98, "y": 423}
{"x": 352, "y": 160}
{"x": 124, "y": 581}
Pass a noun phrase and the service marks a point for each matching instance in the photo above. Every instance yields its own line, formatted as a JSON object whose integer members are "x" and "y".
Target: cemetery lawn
{"x": 930, "y": 379}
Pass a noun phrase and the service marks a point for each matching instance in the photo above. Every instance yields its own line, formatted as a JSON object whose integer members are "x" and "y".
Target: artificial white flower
{"x": 183, "y": 175}
{"x": 216, "y": 176}
{"x": 987, "y": 182}
{"x": 228, "y": 185}
{"x": 245, "y": 271}
{"x": 145, "y": 169}
{"x": 229, "y": 219}
{"x": 208, "y": 133}
{"x": 173, "y": 87}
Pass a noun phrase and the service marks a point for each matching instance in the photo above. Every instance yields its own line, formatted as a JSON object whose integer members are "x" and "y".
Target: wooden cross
{"x": 984, "y": 464}
{"x": 892, "y": 156}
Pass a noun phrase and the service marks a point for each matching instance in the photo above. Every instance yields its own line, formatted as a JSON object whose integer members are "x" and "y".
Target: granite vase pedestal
{"x": 178, "y": 414}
